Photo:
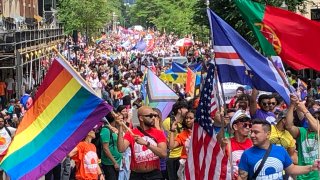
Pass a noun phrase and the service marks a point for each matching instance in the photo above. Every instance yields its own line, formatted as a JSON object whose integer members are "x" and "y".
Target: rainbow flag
{"x": 65, "y": 109}
{"x": 157, "y": 94}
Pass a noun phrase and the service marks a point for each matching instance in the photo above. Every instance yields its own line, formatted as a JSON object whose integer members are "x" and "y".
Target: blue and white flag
{"x": 237, "y": 61}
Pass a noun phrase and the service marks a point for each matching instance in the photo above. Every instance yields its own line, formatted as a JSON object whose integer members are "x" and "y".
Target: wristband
{"x": 173, "y": 130}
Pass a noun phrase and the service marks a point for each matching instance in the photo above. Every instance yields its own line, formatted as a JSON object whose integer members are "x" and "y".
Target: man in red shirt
{"x": 147, "y": 145}
{"x": 241, "y": 124}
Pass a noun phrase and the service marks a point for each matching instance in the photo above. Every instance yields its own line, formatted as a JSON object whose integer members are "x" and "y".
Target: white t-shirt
{"x": 5, "y": 138}
{"x": 10, "y": 83}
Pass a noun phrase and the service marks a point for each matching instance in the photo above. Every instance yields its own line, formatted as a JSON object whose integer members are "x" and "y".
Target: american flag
{"x": 206, "y": 160}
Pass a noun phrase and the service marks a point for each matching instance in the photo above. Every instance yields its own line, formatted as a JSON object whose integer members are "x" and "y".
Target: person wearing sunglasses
{"x": 147, "y": 145}
{"x": 264, "y": 112}
{"x": 241, "y": 125}
{"x": 273, "y": 103}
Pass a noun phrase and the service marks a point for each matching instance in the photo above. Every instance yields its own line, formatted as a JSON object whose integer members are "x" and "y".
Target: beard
{"x": 149, "y": 123}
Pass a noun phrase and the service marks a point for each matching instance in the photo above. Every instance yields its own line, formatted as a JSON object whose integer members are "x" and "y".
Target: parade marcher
{"x": 26, "y": 100}
{"x": 281, "y": 137}
{"x": 158, "y": 125}
{"x": 239, "y": 91}
{"x": 6, "y": 135}
{"x": 267, "y": 161}
{"x": 10, "y": 86}
{"x": 86, "y": 159}
{"x": 182, "y": 139}
{"x": 179, "y": 109}
{"x": 241, "y": 125}
{"x": 110, "y": 156}
{"x": 307, "y": 141}
{"x": 264, "y": 103}
{"x": 147, "y": 145}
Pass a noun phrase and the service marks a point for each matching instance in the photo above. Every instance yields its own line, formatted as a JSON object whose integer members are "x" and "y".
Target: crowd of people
{"x": 264, "y": 137}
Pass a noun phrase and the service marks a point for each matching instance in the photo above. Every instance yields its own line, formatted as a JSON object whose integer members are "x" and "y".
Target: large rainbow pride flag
{"x": 65, "y": 109}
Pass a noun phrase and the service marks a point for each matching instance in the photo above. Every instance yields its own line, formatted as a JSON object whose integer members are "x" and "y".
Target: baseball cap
{"x": 239, "y": 115}
{"x": 281, "y": 115}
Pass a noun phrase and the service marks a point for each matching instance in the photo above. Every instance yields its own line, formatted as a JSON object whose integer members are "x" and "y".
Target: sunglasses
{"x": 247, "y": 125}
{"x": 150, "y": 115}
{"x": 265, "y": 104}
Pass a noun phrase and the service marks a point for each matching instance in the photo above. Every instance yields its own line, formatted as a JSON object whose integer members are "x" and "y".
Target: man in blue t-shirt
{"x": 277, "y": 161}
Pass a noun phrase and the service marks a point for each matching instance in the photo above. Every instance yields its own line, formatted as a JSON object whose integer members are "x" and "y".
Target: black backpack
{"x": 98, "y": 142}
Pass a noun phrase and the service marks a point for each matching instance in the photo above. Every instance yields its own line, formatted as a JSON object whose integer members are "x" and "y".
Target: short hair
{"x": 110, "y": 117}
{"x": 178, "y": 105}
{"x": 240, "y": 88}
{"x": 263, "y": 96}
{"x": 265, "y": 124}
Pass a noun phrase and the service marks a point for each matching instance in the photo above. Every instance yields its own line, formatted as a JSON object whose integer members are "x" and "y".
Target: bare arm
{"x": 253, "y": 101}
{"x": 123, "y": 144}
{"x": 73, "y": 152}
{"x": 294, "y": 131}
{"x": 311, "y": 120}
{"x": 297, "y": 170}
{"x": 160, "y": 149}
{"x": 172, "y": 143}
{"x": 243, "y": 175}
{"x": 293, "y": 154}
{"x": 107, "y": 152}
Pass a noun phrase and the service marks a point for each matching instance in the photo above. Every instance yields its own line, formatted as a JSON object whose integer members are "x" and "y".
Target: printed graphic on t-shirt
{"x": 236, "y": 155}
{"x": 142, "y": 153}
{"x": 272, "y": 169}
{"x": 5, "y": 140}
{"x": 91, "y": 162}
{"x": 309, "y": 150}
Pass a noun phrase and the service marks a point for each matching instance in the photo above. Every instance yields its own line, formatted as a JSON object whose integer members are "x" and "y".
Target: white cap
{"x": 239, "y": 114}
{"x": 271, "y": 120}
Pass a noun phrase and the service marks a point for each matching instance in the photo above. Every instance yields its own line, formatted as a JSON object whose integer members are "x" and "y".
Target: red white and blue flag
{"x": 206, "y": 160}
{"x": 237, "y": 61}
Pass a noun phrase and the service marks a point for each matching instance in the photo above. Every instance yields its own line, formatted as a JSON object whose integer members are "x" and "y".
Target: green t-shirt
{"x": 106, "y": 138}
{"x": 307, "y": 152}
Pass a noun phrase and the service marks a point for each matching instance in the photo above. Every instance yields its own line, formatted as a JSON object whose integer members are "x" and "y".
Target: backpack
{"x": 98, "y": 143}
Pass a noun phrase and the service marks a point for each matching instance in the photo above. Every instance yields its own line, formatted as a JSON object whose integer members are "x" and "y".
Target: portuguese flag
{"x": 294, "y": 38}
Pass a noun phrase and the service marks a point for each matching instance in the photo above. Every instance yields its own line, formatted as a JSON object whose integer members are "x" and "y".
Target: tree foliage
{"x": 86, "y": 14}
{"x": 169, "y": 15}
{"x": 185, "y": 17}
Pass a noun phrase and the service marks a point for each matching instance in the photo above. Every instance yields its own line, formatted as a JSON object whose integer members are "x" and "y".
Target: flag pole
{"x": 112, "y": 112}
{"x": 224, "y": 102}
{"x": 283, "y": 76}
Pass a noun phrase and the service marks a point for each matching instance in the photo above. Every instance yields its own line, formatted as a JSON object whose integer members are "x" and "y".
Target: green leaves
{"x": 93, "y": 14}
